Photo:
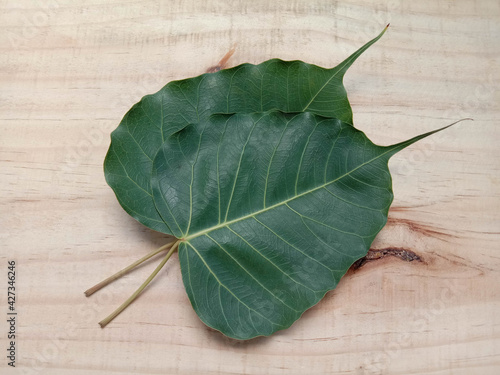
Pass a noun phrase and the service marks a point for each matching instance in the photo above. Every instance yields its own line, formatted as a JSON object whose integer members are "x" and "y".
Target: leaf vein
{"x": 250, "y": 274}
{"x": 289, "y": 244}
{"x": 270, "y": 261}
{"x": 239, "y": 167}
{"x": 225, "y": 287}
{"x": 253, "y": 214}
{"x": 326, "y": 225}
{"x": 302, "y": 157}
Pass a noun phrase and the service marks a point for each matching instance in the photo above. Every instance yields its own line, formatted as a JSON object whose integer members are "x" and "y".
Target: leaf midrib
{"x": 228, "y": 223}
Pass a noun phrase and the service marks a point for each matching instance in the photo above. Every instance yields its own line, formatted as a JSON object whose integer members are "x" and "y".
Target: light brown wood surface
{"x": 68, "y": 73}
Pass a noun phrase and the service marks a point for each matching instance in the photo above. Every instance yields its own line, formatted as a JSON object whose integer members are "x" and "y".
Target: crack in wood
{"x": 375, "y": 254}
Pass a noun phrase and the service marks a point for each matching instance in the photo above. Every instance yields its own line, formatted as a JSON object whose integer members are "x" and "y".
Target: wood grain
{"x": 70, "y": 72}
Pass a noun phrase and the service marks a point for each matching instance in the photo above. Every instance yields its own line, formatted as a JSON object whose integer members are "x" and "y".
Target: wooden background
{"x": 68, "y": 73}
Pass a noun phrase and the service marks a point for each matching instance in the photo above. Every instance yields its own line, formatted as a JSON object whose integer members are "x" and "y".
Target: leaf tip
{"x": 402, "y": 145}
{"x": 385, "y": 29}
{"x": 462, "y": 119}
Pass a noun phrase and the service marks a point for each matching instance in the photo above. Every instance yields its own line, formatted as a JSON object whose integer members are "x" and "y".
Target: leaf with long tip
{"x": 272, "y": 210}
{"x": 288, "y": 86}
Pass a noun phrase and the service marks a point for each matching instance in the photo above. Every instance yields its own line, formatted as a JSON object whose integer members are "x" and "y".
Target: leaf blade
{"x": 313, "y": 242}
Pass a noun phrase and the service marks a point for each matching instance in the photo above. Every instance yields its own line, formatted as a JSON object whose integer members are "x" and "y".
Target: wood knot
{"x": 223, "y": 62}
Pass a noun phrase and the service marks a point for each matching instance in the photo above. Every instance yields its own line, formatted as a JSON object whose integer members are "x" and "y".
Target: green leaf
{"x": 271, "y": 209}
{"x": 288, "y": 86}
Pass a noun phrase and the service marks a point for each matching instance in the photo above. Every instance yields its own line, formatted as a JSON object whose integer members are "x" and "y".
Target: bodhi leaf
{"x": 258, "y": 172}
{"x": 288, "y": 86}
{"x": 271, "y": 210}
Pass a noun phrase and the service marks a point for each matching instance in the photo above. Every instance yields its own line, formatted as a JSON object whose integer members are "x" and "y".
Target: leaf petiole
{"x": 124, "y": 305}
{"x": 124, "y": 271}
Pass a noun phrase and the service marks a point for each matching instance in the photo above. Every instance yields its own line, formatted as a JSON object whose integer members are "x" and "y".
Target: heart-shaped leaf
{"x": 271, "y": 209}
{"x": 288, "y": 86}
{"x": 271, "y": 192}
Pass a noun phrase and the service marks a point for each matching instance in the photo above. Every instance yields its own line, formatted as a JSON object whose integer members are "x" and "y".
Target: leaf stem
{"x": 115, "y": 313}
{"x": 124, "y": 271}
